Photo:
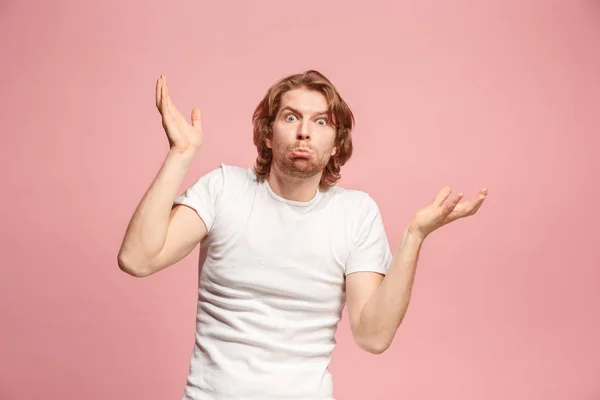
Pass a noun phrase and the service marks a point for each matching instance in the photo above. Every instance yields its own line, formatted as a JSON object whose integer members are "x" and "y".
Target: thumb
{"x": 196, "y": 118}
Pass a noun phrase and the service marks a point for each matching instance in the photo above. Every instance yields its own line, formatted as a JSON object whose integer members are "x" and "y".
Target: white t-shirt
{"x": 271, "y": 288}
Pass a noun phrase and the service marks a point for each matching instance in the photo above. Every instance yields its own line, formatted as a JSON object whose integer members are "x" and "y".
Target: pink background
{"x": 503, "y": 95}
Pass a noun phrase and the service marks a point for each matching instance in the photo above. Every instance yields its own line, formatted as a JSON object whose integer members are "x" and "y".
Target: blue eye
{"x": 290, "y": 117}
{"x": 321, "y": 121}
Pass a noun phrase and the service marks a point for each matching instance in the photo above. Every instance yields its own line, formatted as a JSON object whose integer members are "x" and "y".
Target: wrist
{"x": 181, "y": 155}
{"x": 413, "y": 234}
{"x": 410, "y": 240}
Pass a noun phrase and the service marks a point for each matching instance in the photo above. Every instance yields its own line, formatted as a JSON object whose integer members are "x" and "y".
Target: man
{"x": 283, "y": 248}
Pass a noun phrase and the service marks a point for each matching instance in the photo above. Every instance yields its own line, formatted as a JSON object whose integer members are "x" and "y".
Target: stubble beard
{"x": 296, "y": 167}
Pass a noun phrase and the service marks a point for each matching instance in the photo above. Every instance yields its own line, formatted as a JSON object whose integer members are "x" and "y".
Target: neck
{"x": 292, "y": 188}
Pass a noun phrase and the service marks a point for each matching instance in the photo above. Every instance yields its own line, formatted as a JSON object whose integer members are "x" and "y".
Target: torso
{"x": 271, "y": 293}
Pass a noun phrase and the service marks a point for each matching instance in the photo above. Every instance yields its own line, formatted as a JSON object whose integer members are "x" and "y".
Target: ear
{"x": 268, "y": 143}
{"x": 334, "y": 151}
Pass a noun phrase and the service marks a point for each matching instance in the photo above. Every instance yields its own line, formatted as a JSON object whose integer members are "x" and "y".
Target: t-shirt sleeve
{"x": 371, "y": 251}
{"x": 203, "y": 196}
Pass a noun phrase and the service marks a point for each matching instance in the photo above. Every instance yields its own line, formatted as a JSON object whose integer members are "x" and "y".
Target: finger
{"x": 448, "y": 208}
{"x": 477, "y": 201}
{"x": 452, "y": 206}
{"x": 474, "y": 210}
{"x": 478, "y": 204}
{"x": 467, "y": 209}
{"x": 467, "y": 206}
{"x": 196, "y": 118}
{"x": 442, "y": 196}
{"x": 168, "y": 93}
{"x": 164, "y": 92}
{"x": 475, "y": 204}
{"x": 158, "y": 90}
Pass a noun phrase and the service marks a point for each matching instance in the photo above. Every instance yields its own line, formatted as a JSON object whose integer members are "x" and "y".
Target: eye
{"x": 290, "y": 118}
{"x": 322, "y": 121}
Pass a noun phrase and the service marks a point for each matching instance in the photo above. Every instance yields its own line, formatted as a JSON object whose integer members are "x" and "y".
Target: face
{"x": 303, "y": 135}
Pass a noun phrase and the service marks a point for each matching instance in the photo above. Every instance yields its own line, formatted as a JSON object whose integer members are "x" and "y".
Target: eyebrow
{"x": 292, "y": 109}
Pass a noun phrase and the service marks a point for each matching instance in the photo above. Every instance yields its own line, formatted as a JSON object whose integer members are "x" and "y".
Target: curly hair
{"x": 339, "y": 113}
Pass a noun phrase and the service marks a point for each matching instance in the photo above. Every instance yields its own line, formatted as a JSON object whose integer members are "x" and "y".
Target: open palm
{"x": 438, "y": 214}
{"x": 182, "y": 135}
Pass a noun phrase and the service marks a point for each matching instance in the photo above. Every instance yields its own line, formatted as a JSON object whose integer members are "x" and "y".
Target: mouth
{"x": 301, "y": 153}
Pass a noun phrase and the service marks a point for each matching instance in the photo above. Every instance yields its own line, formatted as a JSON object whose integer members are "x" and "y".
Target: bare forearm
{"x": 147, "y": 229}
{"x": 384, "y": 311}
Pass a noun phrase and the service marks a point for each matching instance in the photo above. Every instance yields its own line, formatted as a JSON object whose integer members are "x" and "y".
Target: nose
{"x": 303, "y": 131}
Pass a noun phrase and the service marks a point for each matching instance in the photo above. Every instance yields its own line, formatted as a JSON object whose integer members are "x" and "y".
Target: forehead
{"x": 305, "y": 100}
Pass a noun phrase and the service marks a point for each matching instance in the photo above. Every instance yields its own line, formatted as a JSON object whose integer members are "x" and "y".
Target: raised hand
{"x": 438, "y": 214}
{"x": 183, "y": 136}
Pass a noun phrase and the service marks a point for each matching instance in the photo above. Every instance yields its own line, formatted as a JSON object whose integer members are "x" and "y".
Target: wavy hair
{"x": 339, "y": 113}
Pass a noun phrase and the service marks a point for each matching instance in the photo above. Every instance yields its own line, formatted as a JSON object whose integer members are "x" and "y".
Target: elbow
{"x": 376, "y": 348}
{"x": 131, "y": 267}
{"x": 373, "y": 345}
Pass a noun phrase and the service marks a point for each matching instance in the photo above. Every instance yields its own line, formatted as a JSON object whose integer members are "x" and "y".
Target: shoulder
{"x": 355, "y": 210}
{"x": 358, "y": 201}
{"x": 236, "y": 179}
{"x": 228, "y": 176}
{"x": 222, "y": 181}
{"x": 235, "y": 172}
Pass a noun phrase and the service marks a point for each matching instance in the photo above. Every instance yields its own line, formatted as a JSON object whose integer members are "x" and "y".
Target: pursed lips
{"x": 301, "y": 152}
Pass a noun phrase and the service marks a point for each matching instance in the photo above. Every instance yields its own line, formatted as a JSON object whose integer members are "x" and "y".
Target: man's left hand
{"x": 438, "y": 214}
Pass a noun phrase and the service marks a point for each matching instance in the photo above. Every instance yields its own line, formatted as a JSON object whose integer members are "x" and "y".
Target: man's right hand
{"x": 183, "y": 136}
